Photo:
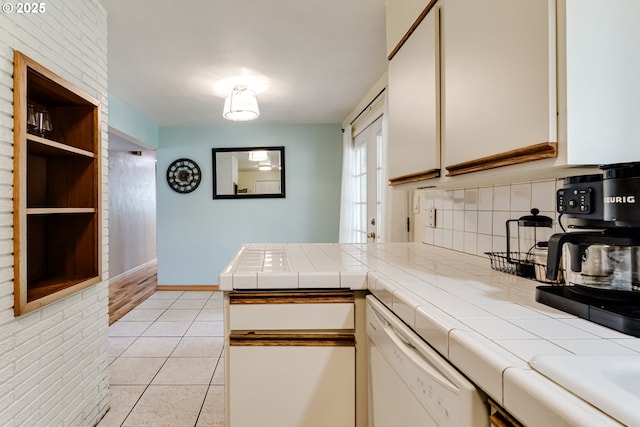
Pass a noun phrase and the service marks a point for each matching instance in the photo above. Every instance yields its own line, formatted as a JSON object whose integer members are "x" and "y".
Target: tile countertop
{"x": 485, "y": 322}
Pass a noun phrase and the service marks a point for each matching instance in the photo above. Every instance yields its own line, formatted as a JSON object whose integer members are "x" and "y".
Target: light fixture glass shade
{"x": 264, "y": 167}
{"x": 241, "y": 105}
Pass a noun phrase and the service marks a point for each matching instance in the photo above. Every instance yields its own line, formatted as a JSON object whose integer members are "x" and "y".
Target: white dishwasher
{"x": 410, "y": 384}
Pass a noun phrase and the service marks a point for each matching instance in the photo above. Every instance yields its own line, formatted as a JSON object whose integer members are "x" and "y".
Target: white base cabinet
{"x": 292, "y": 361}
{"x": 292, "y": 386}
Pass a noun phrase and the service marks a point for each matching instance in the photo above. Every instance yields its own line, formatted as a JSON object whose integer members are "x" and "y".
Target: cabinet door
{"x": 277, "y": 317}
{"x": 498, "y": 76}
{"x": 414, "y": 143}
{"x": 291, "y": 386}
{"x": 401, "y": 14}
{"x": 602, "y": 81}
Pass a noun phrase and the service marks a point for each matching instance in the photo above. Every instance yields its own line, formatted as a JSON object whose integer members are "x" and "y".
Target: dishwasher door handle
{"x": 416, "y": 357}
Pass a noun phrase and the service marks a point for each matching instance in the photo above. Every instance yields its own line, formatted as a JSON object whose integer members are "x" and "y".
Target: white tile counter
{"x": 486, "y": 323}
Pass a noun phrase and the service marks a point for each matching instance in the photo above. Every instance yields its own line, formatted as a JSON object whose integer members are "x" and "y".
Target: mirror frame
{"x": 281, "y": 194}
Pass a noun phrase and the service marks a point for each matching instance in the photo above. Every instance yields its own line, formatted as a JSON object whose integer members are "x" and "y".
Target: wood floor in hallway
{"x": 128, "y": 290}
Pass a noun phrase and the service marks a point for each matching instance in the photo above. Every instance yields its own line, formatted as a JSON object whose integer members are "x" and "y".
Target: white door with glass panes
{"x": 368, "y": 174}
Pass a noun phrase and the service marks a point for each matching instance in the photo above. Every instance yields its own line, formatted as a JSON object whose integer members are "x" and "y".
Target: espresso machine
{"x": 599, "y": 252}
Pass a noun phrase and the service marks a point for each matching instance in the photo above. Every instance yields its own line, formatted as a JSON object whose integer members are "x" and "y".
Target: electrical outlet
{"x": 431, "y": 218}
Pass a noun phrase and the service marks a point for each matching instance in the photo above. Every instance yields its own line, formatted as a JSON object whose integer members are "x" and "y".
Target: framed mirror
{"x": 245, "y": 173}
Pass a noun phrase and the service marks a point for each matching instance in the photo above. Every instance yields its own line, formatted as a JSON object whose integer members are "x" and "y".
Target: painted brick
{"x": 51, "y": 397}
{"x": 54, "y": 369}
{"x": 6, "y": 315}
{"x": 6, "y": 261}
{"x": 6, "y": 400}
{"x": 5, "y": 301}
{"x": 27, "y": 355}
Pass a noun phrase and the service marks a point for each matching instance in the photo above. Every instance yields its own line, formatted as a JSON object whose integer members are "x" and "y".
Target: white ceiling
{"x": 310, "y": 61}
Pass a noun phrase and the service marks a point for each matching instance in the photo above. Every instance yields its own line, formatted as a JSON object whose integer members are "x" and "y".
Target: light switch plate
{"x": 431, "y": 218}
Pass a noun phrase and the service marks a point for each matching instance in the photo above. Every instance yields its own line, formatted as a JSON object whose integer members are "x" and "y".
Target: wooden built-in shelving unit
{"x": 57, "y": 215}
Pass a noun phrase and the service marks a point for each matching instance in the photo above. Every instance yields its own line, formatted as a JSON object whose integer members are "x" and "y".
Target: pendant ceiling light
{"x": 258, "y": 156}
{"x": 241, "y": 105}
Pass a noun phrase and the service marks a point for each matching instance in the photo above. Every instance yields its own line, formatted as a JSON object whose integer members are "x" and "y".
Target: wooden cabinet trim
{"x": 411, "y": 29}
{"x": 543, "y": 150}
{"x": 298, "y": 340}
{"x": 501, "y": 418}
{"x": 414, "y": 177}
{"x": 301, "y": 297}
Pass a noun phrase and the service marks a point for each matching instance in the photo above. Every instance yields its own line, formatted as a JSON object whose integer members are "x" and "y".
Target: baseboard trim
{"x": 209, "y": 288}
{"x": 149, "y": 264}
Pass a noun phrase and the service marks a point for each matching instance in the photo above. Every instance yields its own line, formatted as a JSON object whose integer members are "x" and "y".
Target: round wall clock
{"x": 183, "y": 175}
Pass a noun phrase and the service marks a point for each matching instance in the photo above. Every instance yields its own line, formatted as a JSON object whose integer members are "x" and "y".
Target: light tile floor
{"x": 166, "y": 366}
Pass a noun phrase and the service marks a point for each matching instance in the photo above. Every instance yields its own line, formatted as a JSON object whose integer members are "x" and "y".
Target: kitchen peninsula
{"x": 485, "y": 323}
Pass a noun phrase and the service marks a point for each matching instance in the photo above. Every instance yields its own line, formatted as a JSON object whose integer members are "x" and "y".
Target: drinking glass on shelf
{"x": 45, "y": 122}
{"x": 32, "y": 118}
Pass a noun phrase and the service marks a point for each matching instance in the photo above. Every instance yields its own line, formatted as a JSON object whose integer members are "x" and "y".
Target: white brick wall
{"x": 53, "y": 361}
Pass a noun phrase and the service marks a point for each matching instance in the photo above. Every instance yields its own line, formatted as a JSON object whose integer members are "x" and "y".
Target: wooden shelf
{"x": 39, "y": 289}
{"x": 45, "y": 147}
{"x": 42, "y": 293}
{"x": 57, "y": 204}
{"x": 59, "y": 211}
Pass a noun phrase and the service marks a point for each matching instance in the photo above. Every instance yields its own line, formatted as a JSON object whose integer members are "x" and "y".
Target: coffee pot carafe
{"x": 606, "y": 260}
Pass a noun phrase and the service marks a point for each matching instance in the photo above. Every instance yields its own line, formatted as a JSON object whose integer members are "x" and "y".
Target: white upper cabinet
{"x": 498, "y": 77}
{"x": 414, "y": 122}
{"x": 484, "y": 84}
{"x": 401, "y": 15}
{"x": 602, "y": 81}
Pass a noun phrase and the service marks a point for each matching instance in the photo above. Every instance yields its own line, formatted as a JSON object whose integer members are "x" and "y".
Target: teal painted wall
{"x": 131, "y": 122}
{"x": 197, "y": 235}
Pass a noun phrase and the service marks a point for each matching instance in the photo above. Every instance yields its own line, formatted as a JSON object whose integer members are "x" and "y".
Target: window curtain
{"x": 347, "y": 214}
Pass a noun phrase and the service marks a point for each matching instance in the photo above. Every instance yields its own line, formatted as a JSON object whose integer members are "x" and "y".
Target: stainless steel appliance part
{"x": 410, "y": 384}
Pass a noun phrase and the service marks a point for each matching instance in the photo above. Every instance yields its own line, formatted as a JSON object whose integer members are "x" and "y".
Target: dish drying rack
{"x": 520, "y": 264}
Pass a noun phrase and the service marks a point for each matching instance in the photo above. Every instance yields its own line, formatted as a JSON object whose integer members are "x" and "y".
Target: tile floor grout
{"x": 168, "y": 325}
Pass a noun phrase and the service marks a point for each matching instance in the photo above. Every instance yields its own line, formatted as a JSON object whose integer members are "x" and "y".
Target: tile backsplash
{"x": 473, "y": 220}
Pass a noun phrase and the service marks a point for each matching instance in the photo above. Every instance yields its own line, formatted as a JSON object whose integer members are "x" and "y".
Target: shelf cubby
{"x": 57, "y": 214}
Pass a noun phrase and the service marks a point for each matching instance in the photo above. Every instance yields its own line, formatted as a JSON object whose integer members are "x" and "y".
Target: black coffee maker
{"x": 600, "y": 252}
